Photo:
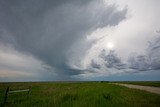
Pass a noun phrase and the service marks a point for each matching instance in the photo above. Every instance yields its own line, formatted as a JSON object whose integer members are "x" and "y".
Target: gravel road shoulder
{"x": 146, "y": 88}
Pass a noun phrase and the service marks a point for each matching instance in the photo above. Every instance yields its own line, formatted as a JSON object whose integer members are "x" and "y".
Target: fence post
{"x": 29, "y": 90}
{"x": 6, "y": 94}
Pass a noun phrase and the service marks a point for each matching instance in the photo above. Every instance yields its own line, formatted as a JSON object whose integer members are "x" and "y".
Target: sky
{"x": 79, "y": 40}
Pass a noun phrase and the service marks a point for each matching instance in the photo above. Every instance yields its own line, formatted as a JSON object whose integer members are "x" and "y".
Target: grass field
{"x": 85, "y": 94}
{"x": 144, "y": 83}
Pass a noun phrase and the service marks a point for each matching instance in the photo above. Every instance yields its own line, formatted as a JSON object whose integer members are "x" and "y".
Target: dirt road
{"x": 146, "y": 88}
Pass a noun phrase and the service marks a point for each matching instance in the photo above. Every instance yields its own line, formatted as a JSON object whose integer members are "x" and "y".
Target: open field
{"x": 144, "y": 83}
{"x": 80, "y": 94}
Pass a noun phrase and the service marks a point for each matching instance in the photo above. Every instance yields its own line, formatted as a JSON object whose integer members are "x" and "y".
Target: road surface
{"x": 146, "y": 88}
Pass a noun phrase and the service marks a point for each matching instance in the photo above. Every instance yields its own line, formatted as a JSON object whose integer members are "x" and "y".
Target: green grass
{"x": 144, "y": 83}
{"x": 85, "y": 94}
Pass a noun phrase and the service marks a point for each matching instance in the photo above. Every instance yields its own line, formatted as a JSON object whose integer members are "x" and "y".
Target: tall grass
{"x": 86, "y": 94}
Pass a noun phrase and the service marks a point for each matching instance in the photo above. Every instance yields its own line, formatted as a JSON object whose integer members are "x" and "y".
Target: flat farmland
{"x": 75, "y": 94}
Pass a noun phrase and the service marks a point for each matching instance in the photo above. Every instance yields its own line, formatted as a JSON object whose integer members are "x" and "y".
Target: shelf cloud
{"x": 63, "y": 40}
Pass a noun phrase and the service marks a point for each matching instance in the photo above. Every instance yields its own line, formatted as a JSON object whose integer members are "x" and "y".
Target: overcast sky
{"x": 44, "y": 40}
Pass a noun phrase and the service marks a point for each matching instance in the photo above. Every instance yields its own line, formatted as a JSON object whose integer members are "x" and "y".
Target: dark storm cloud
{"x": 48, "y": 29}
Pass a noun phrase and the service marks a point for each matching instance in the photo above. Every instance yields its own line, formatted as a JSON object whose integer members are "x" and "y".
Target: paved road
{"x": 146, "y": 88}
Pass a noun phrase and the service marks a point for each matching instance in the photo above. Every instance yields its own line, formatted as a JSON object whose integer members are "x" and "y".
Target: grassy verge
{"x": 86, "y": 94}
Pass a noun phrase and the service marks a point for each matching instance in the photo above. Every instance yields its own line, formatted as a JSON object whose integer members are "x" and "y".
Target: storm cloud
{"x": 52, "y": 30}
{"x": 68, "y": 39}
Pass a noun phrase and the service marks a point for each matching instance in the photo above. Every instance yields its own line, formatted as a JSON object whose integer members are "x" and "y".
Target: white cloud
{"x": 16, "y": 66}
{"x": 130, "y": 35}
